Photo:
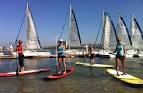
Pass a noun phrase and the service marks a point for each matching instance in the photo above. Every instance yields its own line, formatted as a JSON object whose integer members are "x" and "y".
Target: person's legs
{"x": 65, "y": 67}
{"x": 21, "y": 62}
{"x": 59, "y": 65}
{"x": 123, "y": 65}
{"x": 92, "y": 61}
{"x": 117, "y": 65}
{"x": 22, "y": 68}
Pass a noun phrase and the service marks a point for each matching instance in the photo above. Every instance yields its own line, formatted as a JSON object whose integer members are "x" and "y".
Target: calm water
{"x": 83, "y": 80}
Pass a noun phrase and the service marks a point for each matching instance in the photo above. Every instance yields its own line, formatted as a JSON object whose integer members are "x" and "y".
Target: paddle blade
{"x": 17, "y": 74}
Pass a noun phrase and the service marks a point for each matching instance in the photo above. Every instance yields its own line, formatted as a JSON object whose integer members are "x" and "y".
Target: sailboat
{"x": 74, "y": 35}
{"x": 137, "y": 38}
{"x": 109, "y": 37}
{"x": 124, "y": 34}
{"x": 33, "y": 45}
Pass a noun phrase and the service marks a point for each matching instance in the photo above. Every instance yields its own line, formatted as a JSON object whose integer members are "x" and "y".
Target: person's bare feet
{"x": 64, "y": 72}
{"x": 118, "y": 74}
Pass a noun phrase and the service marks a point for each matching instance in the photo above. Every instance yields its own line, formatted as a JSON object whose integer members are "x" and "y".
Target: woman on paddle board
{"x": 91, "y": 55}
{"x": 120, "y": 56}
{"x": 19, "y": 50}
{"x": 61, "y": 56}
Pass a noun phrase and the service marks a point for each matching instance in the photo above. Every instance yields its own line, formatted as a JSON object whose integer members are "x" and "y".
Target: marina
{"x": 71, "y": 46}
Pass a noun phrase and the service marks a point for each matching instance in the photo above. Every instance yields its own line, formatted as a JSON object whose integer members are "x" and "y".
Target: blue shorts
{"x": 61, "y": 56}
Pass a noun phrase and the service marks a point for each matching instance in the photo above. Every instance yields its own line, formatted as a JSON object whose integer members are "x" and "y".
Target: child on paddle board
{"x": 61, "y": 56}
{"x": 91, "y": 55}
{"x": 120, "y": 56}
{"x": 19, "y": 50}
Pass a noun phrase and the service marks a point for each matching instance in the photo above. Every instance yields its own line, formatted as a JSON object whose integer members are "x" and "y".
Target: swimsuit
{"x": 120, "y": 51}
{"x": 61, "y": 52}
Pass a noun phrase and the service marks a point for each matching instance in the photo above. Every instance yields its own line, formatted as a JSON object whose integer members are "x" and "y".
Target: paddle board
{"x": 125, "y": 78}
{"x": 94, "y": 65}
{"x": 8, "y": 74}
{"x": 57, "y": 76}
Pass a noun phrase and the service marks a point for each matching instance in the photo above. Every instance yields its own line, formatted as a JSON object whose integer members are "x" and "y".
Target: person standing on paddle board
{"x": 61, "y": 56}
{"x": 91, "y": 55}
{"x": 19, "y": 50}
{"x": 120, "y": 56}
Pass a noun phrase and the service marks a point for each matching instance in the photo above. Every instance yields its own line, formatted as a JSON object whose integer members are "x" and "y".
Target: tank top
{"x": 20, "y": 49}
{"x": 120, "y": 50}
{"x": 61, "y": 51}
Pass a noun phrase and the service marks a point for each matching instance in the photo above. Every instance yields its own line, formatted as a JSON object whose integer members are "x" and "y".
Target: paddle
{"x": 15, "y": 45}
{"x": 56, "y": 54}
{"x": 17, "y": 70}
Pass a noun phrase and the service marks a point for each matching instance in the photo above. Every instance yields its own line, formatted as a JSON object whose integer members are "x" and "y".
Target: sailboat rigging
{"x": 136, "y": 34}
{"x": 75, "y": 39}
{"x": 123, "y": 33}
{"x": 109, "y": 37}
{"x": 33, "y": 41}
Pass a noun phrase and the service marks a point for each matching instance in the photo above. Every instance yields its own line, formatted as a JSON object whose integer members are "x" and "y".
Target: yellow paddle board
{"x": 125, "y": 78}
{"x": 94, "y": 65}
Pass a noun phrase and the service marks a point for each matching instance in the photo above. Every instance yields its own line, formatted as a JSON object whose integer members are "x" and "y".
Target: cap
{"x": 61, "y": 40}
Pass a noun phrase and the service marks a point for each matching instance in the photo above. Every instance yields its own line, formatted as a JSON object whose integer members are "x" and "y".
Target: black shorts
{"x": 21, "y": 60}
{"x": 61, "y": 56}
{"x": 120, "y": 57}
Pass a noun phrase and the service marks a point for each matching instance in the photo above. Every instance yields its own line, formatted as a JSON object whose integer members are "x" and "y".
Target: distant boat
{"x": 109, "y": 37}
{"x": 125, "y": 36}
{"x": 74, "y": 35}
{"x": 33, "y": 41}
{"x": 33, "y": 46}
{"x": 137, "y": 37}
{"x": 123, "y": 33}
{"x": 136, "y": 34}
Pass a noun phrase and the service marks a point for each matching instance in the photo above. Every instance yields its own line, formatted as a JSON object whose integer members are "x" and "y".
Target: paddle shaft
{"x": 17, "y": 70}
{"x": 56, "y": 54}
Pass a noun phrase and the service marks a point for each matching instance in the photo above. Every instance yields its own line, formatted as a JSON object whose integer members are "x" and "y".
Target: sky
{"x": 50, "y": 16}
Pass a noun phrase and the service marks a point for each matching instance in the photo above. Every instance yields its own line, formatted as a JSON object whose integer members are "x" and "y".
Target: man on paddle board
{"x": 61, "y": 56}
{"x": 19, "y": 50}
{"x": 120, "y": 56}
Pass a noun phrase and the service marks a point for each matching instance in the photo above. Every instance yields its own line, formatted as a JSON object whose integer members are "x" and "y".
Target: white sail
{"x": 75, "y": 40}
{"x": 123, "y": 33}
{"x": 136, "y": 36}
{"x": 32, "y": 39}
{"x": 109, "y": 33}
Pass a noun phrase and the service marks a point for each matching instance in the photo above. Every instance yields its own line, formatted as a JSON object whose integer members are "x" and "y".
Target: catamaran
{"x": 109, "y": 37}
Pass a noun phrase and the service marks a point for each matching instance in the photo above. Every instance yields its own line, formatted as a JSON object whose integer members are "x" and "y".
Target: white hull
{"x": 105, "y": 53}
{"x": 129, "y": 54}
{"x": 29, "y": 53}
{"x": 73, "y": 52}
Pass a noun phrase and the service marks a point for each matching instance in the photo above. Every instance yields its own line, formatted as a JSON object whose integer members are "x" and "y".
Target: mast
{"x": 69, "y": 24}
